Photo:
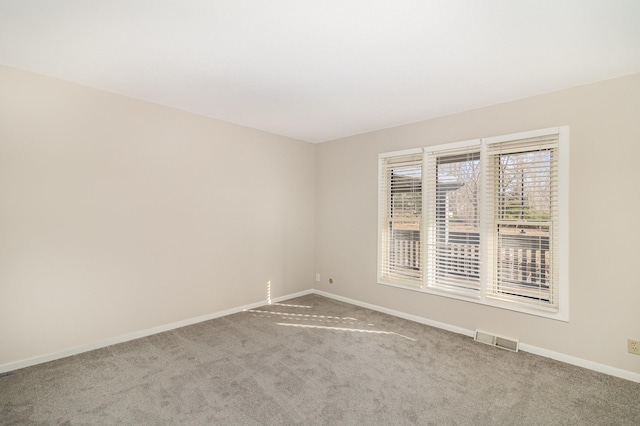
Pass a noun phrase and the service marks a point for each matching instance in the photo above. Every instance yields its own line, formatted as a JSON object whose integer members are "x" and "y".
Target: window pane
{"x": 406, "y": 192}
{"x": 525, "y": 186}
{"x": 404, "y": 250}
{"x": 455, "y": 244}
{"x": 524, "y": 261}
{"x": 523, "y": 225}
{"x": 400, "y": 239}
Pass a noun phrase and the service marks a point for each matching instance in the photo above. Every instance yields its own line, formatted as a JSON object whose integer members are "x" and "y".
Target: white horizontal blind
{"x": 452, "y": 185}
{"x": 522, "y": 198}
{"x": 400, "y": 219}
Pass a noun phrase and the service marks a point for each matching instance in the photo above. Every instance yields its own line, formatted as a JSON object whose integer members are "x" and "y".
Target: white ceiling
{"x": 323, "y": 69}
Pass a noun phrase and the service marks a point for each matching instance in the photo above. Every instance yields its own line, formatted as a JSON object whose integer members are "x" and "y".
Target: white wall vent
{"x": 497, "y": 341}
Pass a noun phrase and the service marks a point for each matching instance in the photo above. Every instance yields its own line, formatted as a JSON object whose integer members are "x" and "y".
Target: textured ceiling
{"x": 321, "y": 70}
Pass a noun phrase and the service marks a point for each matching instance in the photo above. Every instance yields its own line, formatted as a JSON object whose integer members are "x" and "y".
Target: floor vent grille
{"x": 497, "y": 341}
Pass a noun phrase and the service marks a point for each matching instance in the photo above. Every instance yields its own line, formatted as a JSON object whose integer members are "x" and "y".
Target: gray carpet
{"x": 313, "y": 361}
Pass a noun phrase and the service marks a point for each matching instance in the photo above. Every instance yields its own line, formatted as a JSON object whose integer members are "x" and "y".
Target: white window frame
{"x": 385, "y": 266}
{"x": 561, "y": 229}
{"x": 432, "y": 154}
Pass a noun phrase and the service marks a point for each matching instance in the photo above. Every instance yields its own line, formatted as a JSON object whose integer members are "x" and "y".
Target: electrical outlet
{"x": 633, "y": 346}
{"x": 318, "y": 277}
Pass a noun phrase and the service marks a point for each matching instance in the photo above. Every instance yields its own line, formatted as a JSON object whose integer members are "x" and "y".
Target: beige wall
{"x": 604, "y": 120}
{"x": 118, "y": 215}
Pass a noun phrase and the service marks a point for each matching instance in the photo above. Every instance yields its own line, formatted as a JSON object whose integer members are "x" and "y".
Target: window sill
{"x": 486, "y": 301}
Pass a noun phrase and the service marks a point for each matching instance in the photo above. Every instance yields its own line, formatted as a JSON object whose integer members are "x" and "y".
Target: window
{"x": 453, "y": 220}
{"x": 494, "y": 228}
{"x": 400, "y": 207}
{"x": 523, "y": 178}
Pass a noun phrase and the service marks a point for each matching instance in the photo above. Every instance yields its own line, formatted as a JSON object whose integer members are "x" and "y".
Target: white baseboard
{"x": 569, "y": 359}
{"x": 584, "y": 363}
{"x": 414, "y": 318}
{"x": 16, "y": 365}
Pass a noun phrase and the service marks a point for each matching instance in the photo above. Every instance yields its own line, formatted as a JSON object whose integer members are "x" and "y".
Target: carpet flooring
{"x": 312, "y": 361}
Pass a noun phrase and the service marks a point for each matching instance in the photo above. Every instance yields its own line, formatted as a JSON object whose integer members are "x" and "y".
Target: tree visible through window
{"x": 525, "y": 207}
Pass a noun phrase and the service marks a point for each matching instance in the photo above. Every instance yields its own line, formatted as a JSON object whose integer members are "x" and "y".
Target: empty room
{"x": 343, "y": 212}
